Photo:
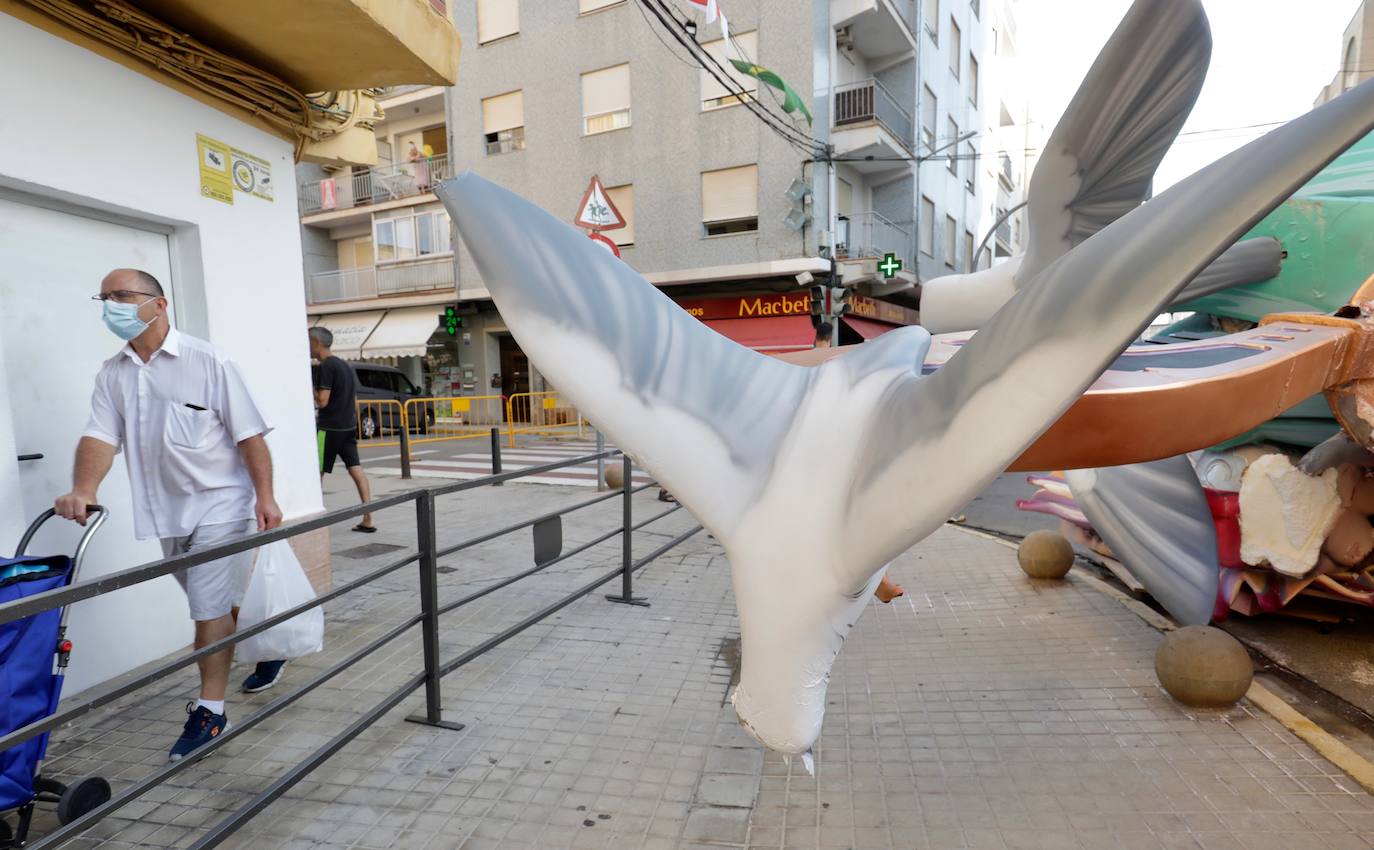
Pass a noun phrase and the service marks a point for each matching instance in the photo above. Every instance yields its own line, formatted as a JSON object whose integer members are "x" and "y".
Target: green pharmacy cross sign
{"x": 452, "y": 321}
{"x": 890, "y": 266}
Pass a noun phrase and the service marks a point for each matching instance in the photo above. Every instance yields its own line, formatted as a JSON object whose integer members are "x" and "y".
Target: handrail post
{"x": 627, "y": 560}
{"x": 405, "y": 441}
{"x": 425, "y": 522}
{"x": 600, "y": 461}
{"x": 496, "y": 454}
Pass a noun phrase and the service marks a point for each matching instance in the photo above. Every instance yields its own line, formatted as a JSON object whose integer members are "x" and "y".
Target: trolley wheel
{"x": 82, "y": 796}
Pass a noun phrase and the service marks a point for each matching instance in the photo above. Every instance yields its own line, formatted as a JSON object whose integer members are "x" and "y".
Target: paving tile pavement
{"x": 982, "y": 710}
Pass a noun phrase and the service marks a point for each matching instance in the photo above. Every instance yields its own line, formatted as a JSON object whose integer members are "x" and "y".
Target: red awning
{"x": 868, "y": 328}
{"x": 771, "y": 335}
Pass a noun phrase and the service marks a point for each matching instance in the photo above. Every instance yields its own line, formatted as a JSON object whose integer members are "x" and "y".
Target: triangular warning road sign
{"x": 597, "y": 211}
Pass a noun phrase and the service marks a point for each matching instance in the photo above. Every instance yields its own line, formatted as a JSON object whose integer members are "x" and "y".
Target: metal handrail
{"x": 426, "y": 555}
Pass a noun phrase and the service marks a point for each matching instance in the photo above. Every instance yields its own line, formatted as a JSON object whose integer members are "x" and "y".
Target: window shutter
{"x": 503, "y": 112}
{"x": 729, "y": 194}
{"x": 497, "y": 19}
{"x": 607, "y": 90}
{"x": 710, "y": 87}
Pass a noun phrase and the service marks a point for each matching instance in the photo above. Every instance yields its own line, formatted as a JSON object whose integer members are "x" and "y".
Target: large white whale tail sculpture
{"x": 735, "y": 435}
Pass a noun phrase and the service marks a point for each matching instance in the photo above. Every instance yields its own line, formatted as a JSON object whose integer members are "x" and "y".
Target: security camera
{"x": 804, "y": 279}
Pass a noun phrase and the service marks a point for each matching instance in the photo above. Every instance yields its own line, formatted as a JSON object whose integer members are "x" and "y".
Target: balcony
{"x": 374, "y": 185}
{"x": 326, "y": 45}
{"x": 876, "y": 29}
{"x": 872, "y": 131}
{"x": 869, "y": 235}
{"x": 408, "y": 277}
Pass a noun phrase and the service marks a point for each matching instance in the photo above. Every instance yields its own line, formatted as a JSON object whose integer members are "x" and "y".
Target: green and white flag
{"x": 791, "y": 101}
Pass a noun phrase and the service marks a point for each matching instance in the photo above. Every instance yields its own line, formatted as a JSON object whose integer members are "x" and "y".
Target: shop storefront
{"x": 779, "y": 322}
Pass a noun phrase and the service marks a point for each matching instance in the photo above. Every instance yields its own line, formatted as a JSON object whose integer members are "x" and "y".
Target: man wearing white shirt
{"x": 199, "y": 467}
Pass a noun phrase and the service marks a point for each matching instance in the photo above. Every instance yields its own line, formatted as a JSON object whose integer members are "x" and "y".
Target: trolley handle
{"x": 100, "y": 513}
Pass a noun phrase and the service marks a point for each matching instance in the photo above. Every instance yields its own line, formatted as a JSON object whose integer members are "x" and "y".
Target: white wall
{"x": 88, "y": 132}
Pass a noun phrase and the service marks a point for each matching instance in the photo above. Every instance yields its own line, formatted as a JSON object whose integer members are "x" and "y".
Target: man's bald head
{"x": 135, "y": 280}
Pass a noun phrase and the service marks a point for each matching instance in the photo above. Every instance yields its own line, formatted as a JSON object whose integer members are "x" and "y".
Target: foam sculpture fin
{"x": 814, "y": 478}
{"x": 1155, "y": 519}
{"x": 1101, "y": 157}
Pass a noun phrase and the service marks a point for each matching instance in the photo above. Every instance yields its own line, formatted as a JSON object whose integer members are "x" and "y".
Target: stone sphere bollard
{"x": 1045, "y": 554}
{"x": 615, "y": 474}
{"x": 1203, "y": 666}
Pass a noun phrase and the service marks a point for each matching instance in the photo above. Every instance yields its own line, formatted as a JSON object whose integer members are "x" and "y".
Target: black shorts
{"x": 340, "y": 444}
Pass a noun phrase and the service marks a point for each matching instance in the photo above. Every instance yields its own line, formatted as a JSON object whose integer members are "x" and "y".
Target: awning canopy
{"x": 867, "y": 328}
{"x": 350, "y": 330}
{"x": 404, "y": 332}
{"x": 772, "y": 335}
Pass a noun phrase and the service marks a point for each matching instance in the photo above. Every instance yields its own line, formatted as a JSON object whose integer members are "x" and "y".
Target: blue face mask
{"x": 123, "y": 320}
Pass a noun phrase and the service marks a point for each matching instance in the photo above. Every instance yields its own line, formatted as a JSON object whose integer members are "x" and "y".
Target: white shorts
{"x": 216, "y": 587}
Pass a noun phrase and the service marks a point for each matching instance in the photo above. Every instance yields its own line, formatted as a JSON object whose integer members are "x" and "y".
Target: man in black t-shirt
{"x": 336, "y": 417}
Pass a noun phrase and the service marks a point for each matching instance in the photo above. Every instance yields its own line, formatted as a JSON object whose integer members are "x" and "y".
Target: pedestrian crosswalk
{"x": 465, "y": 462}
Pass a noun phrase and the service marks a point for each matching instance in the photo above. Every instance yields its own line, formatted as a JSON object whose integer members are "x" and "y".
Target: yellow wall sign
{"x": 252, "y": 174}
{"x": 461, "y": 405}
{"x": 215, "y": 181}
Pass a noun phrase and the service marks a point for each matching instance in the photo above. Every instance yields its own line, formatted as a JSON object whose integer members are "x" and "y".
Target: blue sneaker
{"x": 202, "y": 727}
{"x": 264, "y": 677}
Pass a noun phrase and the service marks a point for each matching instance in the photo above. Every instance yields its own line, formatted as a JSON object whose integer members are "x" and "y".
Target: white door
{"x": 52, "y": 342}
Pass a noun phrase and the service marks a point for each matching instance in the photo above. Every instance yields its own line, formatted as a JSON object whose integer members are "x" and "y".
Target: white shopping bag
{"x": 279, "y": 584}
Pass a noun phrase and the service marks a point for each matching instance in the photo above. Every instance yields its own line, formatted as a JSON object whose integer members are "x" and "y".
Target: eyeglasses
{"x": 122, "y": 295}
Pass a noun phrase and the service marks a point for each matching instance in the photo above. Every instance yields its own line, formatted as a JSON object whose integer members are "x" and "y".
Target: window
{"x": 951, "y": 240}
{"x": 503, "y": 122}
{"x": 624, "y": 199}
{"x": 953, "y": 147}
{"x": 932, "y": 20}
{"x": 497, "y": 19}
{"x": 730, "y": 200}
{"x": 972, "y": 80}
{"x": 985, "y": 261}
{"x": 927, "y": 227}
{"x": 928, "y": 112}
{"x": 976, "y": 7}
{"x": 412, "y": 235}
{"x": 968, "y": 251}
{"x": 713, "y": 94}
{"x": 956, "y": 47}
{"x": 585, "y": 6}
{"x": 606, "y": 100}
{"x": 971, "y": 157}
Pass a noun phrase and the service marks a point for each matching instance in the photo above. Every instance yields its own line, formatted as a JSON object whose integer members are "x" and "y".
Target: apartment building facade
{"x": 1357, "y": 55}
{"x": 914, "y": 150}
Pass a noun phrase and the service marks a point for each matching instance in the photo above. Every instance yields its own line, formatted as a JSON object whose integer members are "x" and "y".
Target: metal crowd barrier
{"x": 381, "y": 422}
{"x": 456, "y": 418}
{"x": 426, "y": 617}
{"x": 541, "y": 413}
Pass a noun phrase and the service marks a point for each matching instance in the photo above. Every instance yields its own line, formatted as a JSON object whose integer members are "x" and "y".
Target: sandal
{"x": 365, "y": 529}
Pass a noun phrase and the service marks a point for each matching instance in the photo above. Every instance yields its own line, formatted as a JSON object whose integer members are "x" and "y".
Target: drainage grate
{"x": 369, "y": 550}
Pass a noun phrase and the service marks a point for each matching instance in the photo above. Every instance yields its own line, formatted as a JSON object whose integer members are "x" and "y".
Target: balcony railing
{"x": 374, "y": 185}
{"x": 397, "y": 91}
{"x": 431, "y": 274}
{"x": 866, "y": 235}
{"x": 342, "y": 285}
{"x": 1004, "y": 234}
{"x": 427, "y": 275}
{"x": 870, "y": 100}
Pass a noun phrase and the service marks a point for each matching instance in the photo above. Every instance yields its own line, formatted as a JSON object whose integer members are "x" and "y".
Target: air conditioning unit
{"x": 843, "y": 39}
